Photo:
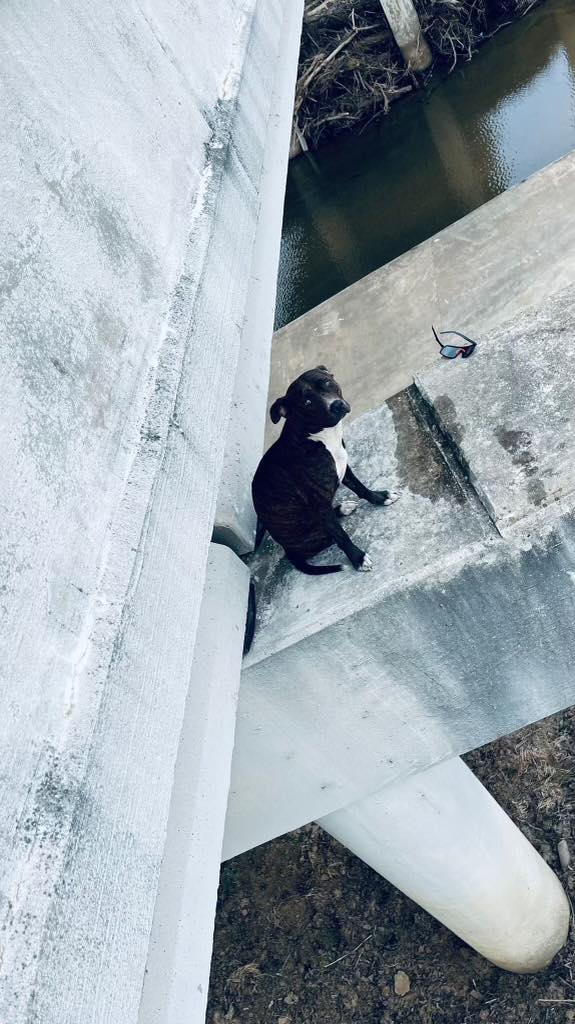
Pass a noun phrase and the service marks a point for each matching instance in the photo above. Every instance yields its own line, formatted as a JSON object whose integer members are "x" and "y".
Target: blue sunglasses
{"x": 453, "y": 351}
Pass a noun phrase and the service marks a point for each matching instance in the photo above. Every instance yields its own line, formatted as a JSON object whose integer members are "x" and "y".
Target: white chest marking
{"x": 332, "y": 438}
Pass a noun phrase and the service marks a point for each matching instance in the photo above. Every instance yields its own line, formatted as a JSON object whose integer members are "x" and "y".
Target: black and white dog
{"x": 295, "y": 483}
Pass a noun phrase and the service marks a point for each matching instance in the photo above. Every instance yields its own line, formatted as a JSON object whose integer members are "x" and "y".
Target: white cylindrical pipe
{"x": 444, "y": 841}
{"x": 404, "y": 22}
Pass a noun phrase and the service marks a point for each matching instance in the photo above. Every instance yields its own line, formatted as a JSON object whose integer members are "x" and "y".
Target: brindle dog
{"x": 296, "y": 481}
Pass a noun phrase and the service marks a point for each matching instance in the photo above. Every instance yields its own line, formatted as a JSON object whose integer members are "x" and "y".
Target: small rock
{"x": 291, "y": 999}
{"x": 401, "y": 983}
{"x": 284, "y": 1020}
{"x": 564, "y": 855}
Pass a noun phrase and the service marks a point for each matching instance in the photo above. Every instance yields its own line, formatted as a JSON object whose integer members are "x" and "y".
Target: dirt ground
{"x": 307, "y": 934}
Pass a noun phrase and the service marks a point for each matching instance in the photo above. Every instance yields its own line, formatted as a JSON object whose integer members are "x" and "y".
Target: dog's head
{"x": 312, "y": 402}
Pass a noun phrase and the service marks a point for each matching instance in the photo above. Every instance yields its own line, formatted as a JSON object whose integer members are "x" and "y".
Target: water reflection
{"x": 357, "y": 205}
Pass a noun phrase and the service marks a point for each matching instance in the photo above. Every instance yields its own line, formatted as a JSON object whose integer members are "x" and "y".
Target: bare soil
{"x": 308, "y": 934}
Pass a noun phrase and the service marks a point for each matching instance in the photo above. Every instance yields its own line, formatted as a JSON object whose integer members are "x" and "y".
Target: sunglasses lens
{"x": 450, "y": 351}
{"x": 466, "y": 352}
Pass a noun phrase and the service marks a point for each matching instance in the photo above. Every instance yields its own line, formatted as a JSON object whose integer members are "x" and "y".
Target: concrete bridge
{"x": 144, "y": 158}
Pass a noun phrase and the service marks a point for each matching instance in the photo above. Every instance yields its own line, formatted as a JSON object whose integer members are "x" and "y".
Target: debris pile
{"x": 351, "y": 69}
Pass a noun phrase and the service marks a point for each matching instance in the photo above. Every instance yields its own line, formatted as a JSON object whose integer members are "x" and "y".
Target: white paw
{"x": 366, "y": 565}
{"x": 393, "y": 496}
{"x": 347, "y": 506}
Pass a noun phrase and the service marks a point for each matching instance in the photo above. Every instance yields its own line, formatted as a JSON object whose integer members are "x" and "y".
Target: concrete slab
{"x": 513, "y": 252}
{"x": 456, "y": 637}
{"x": 509, "y": 411}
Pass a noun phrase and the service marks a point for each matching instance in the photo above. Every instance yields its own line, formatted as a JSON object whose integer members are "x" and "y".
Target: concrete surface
{"x": 235, "y": 521}
{"x": 132, "y": 138}
{"x": 443, "y": 840}
{"x": 513, "y": 427}
{"x": 178, "y": 965}
{"x": 512, "y": 253}
{"x": 457, "y": 636}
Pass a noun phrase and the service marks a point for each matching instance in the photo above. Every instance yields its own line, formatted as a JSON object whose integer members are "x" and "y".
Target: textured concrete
{"x": 514, "y": 252}
{"x": 178, "y": 965}
{"x": 235, "y": 521}
{"x": 457, "y": 636}
{"x": 132, "y": 140}
{"x": 445, "y": 842}
{"x": 511, "y": 422}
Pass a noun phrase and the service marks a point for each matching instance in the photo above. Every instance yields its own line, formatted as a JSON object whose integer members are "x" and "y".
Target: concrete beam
{"x": 458, "y": 635}
{"x": 444, "y": 841}
{"x": 178, "y": 965}
{"x": 130, "y": 204}
{"x": 403, "y": 21}
{"x": 514, "y": 252}
{"x": 274, "y": 84}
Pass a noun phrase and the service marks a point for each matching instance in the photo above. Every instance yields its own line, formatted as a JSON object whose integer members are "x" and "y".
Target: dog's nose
{"x": 339, "y": 407}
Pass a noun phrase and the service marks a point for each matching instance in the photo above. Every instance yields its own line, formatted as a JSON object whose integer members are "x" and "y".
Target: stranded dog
{"x": 295, "y": 483}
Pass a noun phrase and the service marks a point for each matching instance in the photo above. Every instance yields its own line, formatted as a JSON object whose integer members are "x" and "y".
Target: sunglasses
{"x": 453, "y": 351}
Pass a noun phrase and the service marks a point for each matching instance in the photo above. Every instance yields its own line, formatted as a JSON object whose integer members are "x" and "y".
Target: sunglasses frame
{"x": 462, "y": 350}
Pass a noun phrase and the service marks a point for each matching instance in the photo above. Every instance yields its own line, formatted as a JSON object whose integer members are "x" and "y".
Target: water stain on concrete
{"x": 447, "y": 415}
{"x": 518, "y": 443}
{"x": 420, "y": 466}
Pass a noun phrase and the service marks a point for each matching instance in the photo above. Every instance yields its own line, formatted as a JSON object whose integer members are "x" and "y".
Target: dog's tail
{"x": 313, "y": 570}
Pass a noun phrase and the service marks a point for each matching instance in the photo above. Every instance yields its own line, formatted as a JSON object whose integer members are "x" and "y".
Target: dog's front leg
{"x": 374, "y": 497}
{"x": 358, "y": 558}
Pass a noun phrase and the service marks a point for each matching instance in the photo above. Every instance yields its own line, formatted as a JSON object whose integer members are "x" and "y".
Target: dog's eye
{"x": 308, "y": 401}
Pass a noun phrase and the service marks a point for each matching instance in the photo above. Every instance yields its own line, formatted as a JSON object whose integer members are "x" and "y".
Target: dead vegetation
{"x": 351, "y": 69}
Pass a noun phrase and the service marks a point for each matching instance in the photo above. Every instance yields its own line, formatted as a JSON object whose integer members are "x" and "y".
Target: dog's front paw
{"x": 383, "y": 497}
{"x": 366, "y": 565}
{"x": 392, "y": 497}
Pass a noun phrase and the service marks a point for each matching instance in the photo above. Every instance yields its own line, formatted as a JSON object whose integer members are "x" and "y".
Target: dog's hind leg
{"x": 330, "y": 522}
{"x": 346, "y": 507}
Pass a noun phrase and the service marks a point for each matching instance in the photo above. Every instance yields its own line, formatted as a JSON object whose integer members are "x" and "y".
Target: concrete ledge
{"x": 457, "y": 637}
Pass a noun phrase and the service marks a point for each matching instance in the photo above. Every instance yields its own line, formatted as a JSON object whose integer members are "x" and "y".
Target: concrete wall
{"x": 132, "y": 139}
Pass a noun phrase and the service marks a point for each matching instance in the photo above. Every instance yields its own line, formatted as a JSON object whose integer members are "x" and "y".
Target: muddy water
{"x": 361, "y": 202}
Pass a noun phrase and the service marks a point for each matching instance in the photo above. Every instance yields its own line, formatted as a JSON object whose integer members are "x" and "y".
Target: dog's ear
{"x": 325, "y": 370}
{"x": 278, "y": 410}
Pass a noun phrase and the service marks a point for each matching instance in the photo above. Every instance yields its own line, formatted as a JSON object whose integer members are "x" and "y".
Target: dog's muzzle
{"x": 339, "y": 408}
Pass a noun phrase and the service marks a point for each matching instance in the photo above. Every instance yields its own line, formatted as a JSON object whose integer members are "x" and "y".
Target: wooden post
{"x": 404, "y": 23}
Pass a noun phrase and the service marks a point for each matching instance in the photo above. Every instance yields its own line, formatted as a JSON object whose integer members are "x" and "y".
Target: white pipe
{"x": 443, "y": 840}
{"x": 404, "y": 22}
